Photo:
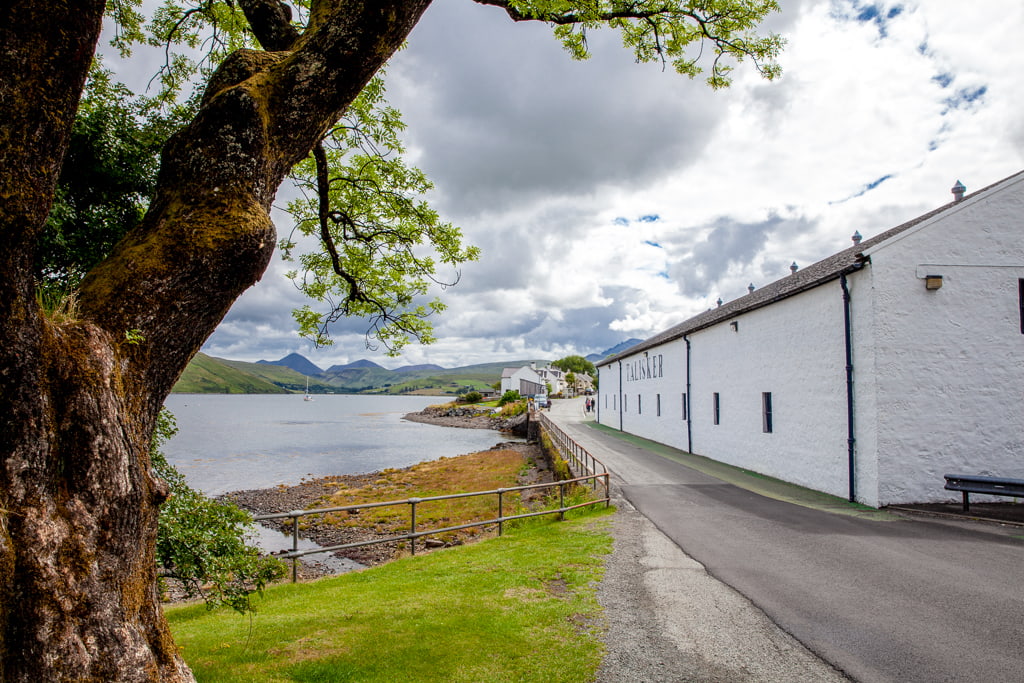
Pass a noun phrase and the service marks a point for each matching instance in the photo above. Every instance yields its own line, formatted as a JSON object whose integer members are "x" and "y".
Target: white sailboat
{"x": 307, "y": 397}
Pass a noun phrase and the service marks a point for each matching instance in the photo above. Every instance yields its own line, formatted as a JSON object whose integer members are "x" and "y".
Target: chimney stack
{"x": 958, "y": 191}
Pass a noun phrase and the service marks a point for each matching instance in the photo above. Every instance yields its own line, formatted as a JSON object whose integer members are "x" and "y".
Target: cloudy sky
{"x": 612, "y": 200}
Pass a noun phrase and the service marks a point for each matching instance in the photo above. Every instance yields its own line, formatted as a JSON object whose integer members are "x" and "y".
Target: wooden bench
{"x": 993, "y": 486}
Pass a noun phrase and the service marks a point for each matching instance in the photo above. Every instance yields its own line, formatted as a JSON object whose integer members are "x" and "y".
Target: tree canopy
{"x": 80, "y": 392}
{"x": 576, "y": 364}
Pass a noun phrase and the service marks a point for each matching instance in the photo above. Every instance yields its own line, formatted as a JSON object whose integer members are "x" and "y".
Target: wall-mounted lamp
{"x": 735, "y": 325}
{"x": 932, "y": 281}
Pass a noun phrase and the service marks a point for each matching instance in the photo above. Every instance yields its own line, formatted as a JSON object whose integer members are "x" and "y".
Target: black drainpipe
{"x": 620, "y": 396}
{"x": 689, "y": 427}
{"x": 850, "y": 439}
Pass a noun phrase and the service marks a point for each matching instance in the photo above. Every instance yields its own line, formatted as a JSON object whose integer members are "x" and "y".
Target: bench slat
{"x": 976, "y": 483}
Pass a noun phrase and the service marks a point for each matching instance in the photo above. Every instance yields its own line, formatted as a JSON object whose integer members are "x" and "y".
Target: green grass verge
{"x": 521, "y": 607}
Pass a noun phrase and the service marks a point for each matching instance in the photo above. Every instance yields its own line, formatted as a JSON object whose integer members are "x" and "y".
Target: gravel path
{"x": 668, "y": 620}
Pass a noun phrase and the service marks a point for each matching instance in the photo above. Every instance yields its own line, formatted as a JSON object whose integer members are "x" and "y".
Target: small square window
{"x": 1020, "y": 286}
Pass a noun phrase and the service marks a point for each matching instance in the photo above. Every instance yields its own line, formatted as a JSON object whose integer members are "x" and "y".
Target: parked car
{"x": 541, "y": 401}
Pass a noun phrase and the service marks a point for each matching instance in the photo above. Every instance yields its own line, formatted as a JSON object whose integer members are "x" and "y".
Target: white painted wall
{"x": 513, "y": 382}
{"x": 950, "y": 362}
{"x": 653, "y": 379}
{"x": 795, "y": 350}
{"x": 865, "y": 376}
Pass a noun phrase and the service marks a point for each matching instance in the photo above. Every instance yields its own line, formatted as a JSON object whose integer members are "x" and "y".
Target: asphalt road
{"x": 898, "y": 599}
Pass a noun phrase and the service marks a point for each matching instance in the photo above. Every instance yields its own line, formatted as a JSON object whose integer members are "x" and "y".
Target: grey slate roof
{"x": 819, "y": 273}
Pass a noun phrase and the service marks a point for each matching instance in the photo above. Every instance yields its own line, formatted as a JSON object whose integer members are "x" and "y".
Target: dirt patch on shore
{"x": 316, "y": 493}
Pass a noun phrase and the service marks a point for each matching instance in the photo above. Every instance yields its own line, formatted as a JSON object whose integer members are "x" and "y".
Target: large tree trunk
{"x": 79, "y": 396}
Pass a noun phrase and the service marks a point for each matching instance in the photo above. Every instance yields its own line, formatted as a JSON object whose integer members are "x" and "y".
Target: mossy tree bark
{"x": 79, "y": 395}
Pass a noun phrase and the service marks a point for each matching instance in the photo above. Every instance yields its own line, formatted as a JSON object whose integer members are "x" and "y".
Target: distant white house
{"x": 583, "y": 383}
{"x": 525, "y": 380}
{"x": 867, "y": 375}
{"x": 552, "y": 377}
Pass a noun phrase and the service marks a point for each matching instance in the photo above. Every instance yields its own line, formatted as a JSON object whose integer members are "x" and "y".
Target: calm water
{"x": 235, "y": 442}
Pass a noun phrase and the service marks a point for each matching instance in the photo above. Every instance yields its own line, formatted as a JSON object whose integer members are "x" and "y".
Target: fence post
{"x": 295, "y": 544}
{"x": 501, "y": 514}
{"x": 412, "y": 541}
{"x": 561, "y": 502}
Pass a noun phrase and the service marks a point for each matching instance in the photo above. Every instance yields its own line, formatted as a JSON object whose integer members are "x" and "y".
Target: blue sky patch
{"x": 867, "y": 188}
{"x": 869, "y": 13}
{"x": 964, "y": 98}
{"x": 876, "y": 14}
{"x": 650, "y": 218}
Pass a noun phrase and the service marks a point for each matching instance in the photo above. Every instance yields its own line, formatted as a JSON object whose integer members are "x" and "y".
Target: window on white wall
{"x": 1020, "y": 287}
{"x": 686, "y": 410}
{"x": 657, "y": 405}
{"x": 766, "y": 412}
{"x": 717, "y": 406}
{"x": 639, "y": 404}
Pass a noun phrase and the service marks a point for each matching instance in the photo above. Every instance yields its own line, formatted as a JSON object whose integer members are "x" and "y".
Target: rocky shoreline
{"x": 469, "y": 417}
{"x": 314, "y": 493}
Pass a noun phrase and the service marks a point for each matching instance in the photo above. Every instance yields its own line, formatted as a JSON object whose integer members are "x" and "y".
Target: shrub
{"x": 473, "y": 397}
{"x": 203, "y": 542}
{"x": 509, "y": 396}
{"x": 512, "y": 409}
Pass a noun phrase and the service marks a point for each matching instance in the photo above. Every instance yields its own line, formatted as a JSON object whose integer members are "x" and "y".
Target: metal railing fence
{"x": 413, "y": 534}
{"x": 579, "y": 458}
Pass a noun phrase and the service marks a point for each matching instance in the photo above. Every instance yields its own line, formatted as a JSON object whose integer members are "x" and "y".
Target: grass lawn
{"x": 521, "y": 607}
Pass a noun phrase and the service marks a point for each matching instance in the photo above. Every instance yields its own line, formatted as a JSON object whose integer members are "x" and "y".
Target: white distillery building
{"x": 868, "y": 375}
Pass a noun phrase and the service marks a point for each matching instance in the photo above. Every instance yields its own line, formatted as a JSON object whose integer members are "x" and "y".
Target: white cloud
{"x": 881, "y": 108}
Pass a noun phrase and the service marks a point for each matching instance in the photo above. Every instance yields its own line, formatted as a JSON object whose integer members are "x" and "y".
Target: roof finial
{"x": 856, "y": 237}
{"x": 793, "y": 267}
{"x": 958, "y": 191}
{"x": 719, "y": 301}
{"x": 750, "y": 288}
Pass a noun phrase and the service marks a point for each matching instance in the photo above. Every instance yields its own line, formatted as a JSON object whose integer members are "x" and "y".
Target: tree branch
{"x": 271, "y": 23}
{"x": 573, "y": 17}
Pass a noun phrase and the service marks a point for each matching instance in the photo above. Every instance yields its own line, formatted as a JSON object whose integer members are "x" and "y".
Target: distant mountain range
{"x": 618, "y": 348}
{"x": 296, "y": 362}
{"x": 206, "y": 374}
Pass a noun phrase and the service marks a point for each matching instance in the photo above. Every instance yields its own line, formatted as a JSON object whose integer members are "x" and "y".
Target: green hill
{"x": 208, "y": 375}
{"x": 285, "y": 378}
